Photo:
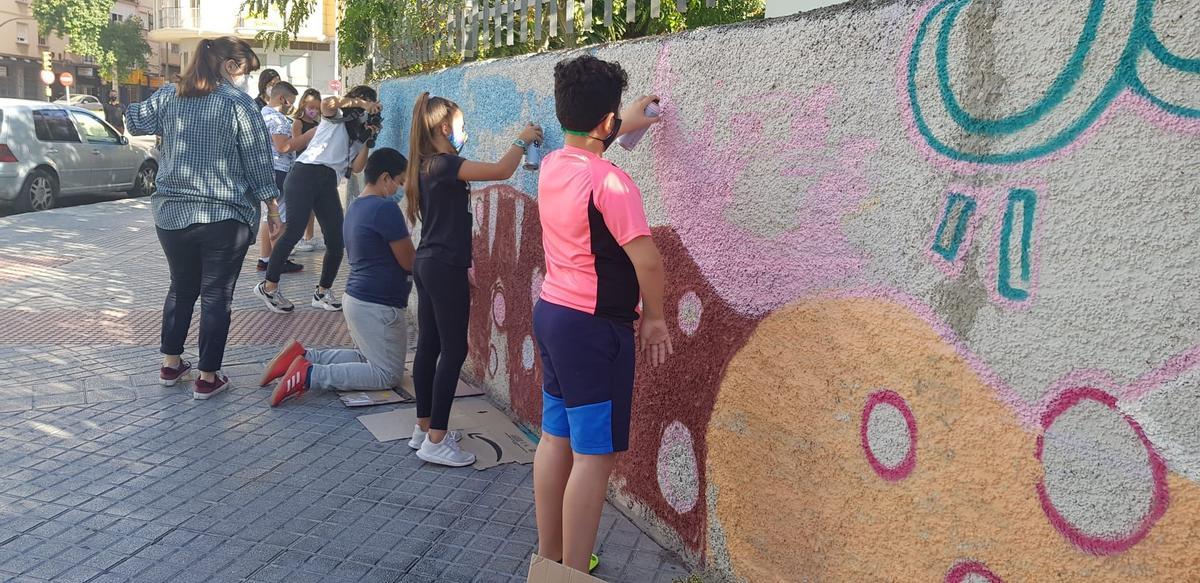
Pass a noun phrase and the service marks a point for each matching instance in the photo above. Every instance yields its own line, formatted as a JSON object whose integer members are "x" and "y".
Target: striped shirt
{"x": 215, "y": 158}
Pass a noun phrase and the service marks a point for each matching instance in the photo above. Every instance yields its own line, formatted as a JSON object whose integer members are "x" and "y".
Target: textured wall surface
{"x": 933, "y": 278}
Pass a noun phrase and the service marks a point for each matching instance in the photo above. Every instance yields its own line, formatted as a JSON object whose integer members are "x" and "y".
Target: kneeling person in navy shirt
{"x": 381, "y": 255}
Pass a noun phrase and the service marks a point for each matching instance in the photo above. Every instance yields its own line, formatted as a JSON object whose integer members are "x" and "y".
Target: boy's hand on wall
{"x": 656, "y": 340}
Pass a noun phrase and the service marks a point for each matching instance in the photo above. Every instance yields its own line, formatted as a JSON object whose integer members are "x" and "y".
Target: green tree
{"x": 117, "y": 47}
{"x": 392, "y": 28}
{"x": 125, "y": 48}
{"x": 82, "y": 22}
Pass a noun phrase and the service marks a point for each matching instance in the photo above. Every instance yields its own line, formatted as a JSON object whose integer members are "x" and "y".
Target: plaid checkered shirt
{"x": 215, "y": 157}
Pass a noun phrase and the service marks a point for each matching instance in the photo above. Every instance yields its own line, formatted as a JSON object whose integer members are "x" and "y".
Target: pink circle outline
{"x": 959, "y": 572}
{"x": 909, "y": 462}
{"x": 499, "y": 309}
{"x": 1158, "y": 468}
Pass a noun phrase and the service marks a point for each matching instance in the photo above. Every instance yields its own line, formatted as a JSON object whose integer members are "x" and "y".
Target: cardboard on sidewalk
{"x": 486, "y": 431}
{"x": 370, "y": 398}
{"x": 405, "y": 393}
{"x": 543, "y": 570}
{"x": 462, "y": 390}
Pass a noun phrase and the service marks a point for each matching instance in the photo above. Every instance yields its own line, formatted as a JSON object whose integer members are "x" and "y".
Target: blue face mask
{"x": 458, "y": 141}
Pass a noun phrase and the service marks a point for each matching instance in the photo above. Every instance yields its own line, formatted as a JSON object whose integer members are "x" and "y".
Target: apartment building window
{"x": 23, "y": 33}
{"x": 117, "y": 17}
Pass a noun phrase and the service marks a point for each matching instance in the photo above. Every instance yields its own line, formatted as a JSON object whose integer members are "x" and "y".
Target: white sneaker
{"x": 446, "y": 453}
{"x": 418, "y": 437}
{"x": 325, "y": 300}
{"x": 305, "y": 245}
{"x": 274, "y": 300}
{"x": 318, "y": 243}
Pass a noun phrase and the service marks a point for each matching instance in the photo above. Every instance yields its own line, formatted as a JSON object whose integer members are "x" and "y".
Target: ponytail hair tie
{"x": 208, "y": 44}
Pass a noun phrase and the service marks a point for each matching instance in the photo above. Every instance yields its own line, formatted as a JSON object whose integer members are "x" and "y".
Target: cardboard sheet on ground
{"x": 405, "y": 394}
{"x": 543, "y": 570}
{"x": 487, "y": 432}
{"x": 369, "y": 398}
{"x": 463, "y": 390}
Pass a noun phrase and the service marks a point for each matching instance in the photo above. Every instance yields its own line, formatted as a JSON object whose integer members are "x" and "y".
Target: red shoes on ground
{"x": 279, "y": 365}
{"x": 291, "y": 368}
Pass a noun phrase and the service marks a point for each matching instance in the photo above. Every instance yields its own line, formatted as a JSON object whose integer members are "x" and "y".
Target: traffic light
{"x": 48, "y": 72}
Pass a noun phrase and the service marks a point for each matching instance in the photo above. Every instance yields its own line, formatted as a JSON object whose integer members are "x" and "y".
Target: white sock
{"x": 264, "y": 259}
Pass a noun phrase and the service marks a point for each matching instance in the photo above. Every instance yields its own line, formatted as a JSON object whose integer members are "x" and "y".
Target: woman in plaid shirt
{"x": 215, "y": 170}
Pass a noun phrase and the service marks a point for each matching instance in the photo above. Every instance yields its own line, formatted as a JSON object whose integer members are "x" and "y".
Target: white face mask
{"x": 241, "y": 83}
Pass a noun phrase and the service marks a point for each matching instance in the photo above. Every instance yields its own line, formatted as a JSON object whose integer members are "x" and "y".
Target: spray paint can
{"x": 533, "y": 156}
{"x": 630, "y": 140}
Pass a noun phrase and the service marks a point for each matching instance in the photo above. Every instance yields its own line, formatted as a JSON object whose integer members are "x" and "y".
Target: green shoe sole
{"x": 593, "y": 563}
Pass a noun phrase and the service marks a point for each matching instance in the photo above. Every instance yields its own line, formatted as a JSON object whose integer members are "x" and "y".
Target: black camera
{"x": 362, "y": 126}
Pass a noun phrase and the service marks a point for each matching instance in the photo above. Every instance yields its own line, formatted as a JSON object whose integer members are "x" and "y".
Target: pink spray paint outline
{"x": 1126, "y": 101}
{"x": 1158, "y": 468}
{"x": 982, "y": 197}
{"x": 905, "y": 467}
{"x": 498, "y": 306}
{"x": 960, "y": 572}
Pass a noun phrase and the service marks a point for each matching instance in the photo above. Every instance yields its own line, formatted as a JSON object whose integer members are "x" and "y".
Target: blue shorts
{"x": 587, "y": 370}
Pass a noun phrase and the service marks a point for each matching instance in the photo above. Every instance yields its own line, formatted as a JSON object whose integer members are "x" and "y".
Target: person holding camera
{"x": 338, "y": 148}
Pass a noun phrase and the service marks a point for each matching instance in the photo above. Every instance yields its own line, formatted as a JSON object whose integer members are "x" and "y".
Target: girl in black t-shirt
{"x": 438, "y": 196}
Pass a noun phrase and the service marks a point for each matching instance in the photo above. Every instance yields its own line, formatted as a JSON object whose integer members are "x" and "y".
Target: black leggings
{"x": 443, "y": 310}
{"x": 310, "y": 189}
{"x": 205, "y": 261}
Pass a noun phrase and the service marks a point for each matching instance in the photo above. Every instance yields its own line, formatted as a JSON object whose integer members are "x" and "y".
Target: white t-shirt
{"x": 278, "y": 125}
{"x": 331, "y": 146}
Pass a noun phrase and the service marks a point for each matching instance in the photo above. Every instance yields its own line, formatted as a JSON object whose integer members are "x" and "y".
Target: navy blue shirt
{"x": 372, "y": 223}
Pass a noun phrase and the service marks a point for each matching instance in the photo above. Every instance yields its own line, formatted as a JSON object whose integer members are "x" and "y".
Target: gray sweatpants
{"x": 381, "y": 334}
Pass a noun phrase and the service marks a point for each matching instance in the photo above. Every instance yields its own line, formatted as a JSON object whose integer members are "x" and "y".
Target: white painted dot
{"x": 678, "y": 478}
{"x": 887, "y": 435}
{"x": 1097, "y": 471}
{"x": 690, "y": 310}
{"x": 527, "y": 353}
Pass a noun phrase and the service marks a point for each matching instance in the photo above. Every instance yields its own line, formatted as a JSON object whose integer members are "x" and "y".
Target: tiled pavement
{"x": 106, "y": 477}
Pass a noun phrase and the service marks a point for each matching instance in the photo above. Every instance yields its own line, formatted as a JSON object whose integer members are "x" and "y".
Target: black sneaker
{"x": 289, "y": 267}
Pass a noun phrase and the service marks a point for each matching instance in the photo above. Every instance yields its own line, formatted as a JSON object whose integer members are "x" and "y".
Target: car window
{"x": 94, "y": 130}
{"x": 54, "y": 125}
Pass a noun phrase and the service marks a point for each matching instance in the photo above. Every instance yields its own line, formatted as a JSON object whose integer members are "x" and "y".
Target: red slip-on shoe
{"x": 293, "y": 383}
{"x": 204, "y": 389}
{"x": 279, "y": 365}
{"x": 169, "y": 376}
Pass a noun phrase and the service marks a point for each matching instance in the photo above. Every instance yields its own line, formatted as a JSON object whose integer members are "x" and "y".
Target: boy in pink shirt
{"x": 600, "y": 262}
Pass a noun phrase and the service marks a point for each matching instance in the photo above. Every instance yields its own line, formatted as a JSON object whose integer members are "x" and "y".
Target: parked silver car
{"x": 49, "y": 149}
{"x": 88, "y": 102}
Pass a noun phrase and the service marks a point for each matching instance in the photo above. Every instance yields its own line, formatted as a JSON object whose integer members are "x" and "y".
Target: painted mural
{"x": 932, "y": 279}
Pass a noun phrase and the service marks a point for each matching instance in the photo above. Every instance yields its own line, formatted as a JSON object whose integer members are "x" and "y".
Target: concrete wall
{"x": 933, "y": 280}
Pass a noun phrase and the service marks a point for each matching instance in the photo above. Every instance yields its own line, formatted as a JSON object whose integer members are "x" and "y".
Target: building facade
{"x": 21, "y": 51}
{"x": 309, "y": 61}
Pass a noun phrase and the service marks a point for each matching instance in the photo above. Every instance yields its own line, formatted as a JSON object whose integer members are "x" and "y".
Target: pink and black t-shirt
{"x": 589, "y": 209}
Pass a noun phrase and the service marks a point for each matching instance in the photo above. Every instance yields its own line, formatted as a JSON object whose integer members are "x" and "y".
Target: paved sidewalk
{"x": 106, "y": 476}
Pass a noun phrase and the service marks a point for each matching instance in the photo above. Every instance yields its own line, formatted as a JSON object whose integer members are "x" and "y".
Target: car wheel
{"x": 145, "y": 184}
{"x": 39, "y": 193}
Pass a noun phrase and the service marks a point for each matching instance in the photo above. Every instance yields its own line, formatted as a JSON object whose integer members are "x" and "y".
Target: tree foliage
{"x": 82, "y": 22}
{"x": 125, "y": 47}
{"x": 388, "y": 35}
{"x": 116, "y": 46}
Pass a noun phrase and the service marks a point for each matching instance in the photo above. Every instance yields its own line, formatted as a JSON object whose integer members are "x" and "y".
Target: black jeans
{"x": 205, "y": 261}
{"x": 443, "y": 311}
{"x": 310, "y": 189}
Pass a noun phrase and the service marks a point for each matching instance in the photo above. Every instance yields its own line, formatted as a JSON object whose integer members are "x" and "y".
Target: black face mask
{"x": 612, "y": 136}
